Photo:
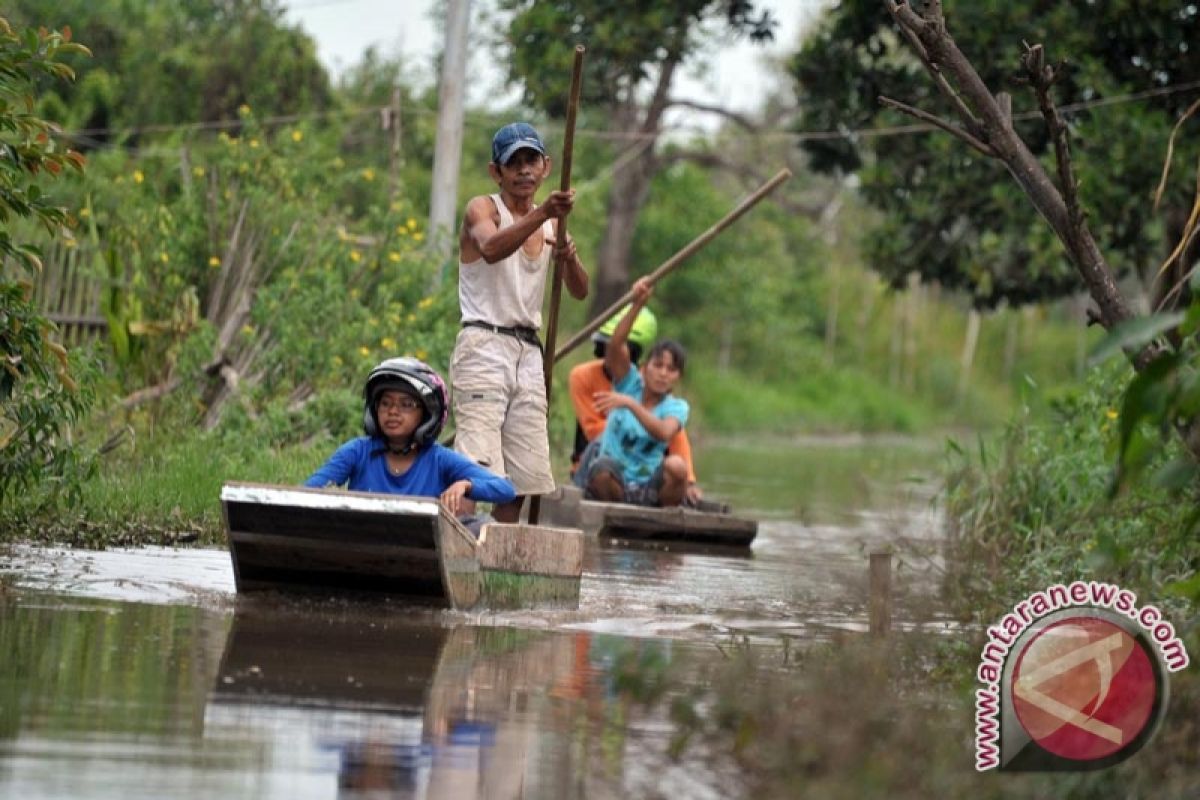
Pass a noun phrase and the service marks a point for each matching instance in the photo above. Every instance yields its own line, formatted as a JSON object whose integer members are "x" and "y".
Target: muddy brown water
{"x": 140, "y": 673}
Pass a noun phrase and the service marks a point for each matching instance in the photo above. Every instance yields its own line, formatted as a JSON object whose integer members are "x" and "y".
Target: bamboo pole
{"x": 561, "y": 236}
{"x": 674, "y": 261}
{"x": 561, "y": 242}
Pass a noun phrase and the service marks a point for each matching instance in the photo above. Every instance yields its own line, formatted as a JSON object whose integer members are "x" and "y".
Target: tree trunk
{"x": 626, "y": 196}
{"x": 629, "y": 189}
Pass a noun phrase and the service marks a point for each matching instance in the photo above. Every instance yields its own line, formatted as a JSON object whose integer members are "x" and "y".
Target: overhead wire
{"x": 795, "y": 136}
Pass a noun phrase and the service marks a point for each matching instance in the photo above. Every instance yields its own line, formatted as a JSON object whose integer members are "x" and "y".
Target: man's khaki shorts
{"x": 498, "y": 392}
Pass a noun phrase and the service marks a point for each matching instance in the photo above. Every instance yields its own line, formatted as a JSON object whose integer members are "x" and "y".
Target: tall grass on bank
{"x": 1034, "y": 508}
{"x": 162, "y": 483}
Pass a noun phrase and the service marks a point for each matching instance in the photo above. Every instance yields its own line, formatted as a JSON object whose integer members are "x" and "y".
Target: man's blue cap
{"x": 513, "y": 137}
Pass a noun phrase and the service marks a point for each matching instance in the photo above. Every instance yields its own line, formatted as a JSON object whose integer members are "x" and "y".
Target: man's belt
{"x": 527, "y": 335}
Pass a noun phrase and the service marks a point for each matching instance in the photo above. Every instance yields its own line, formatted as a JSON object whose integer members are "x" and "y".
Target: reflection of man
{"x": 402, "y": 769}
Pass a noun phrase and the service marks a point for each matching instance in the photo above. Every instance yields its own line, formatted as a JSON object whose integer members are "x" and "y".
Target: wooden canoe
{"x": 711, "y": 525}
{"x": 285, "y": 537}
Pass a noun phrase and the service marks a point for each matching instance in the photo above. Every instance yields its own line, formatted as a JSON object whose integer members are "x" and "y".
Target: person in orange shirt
{"x": 590, "y": 377}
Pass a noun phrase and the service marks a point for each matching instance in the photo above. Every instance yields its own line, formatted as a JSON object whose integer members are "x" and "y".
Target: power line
{"x": 796, "y": 136}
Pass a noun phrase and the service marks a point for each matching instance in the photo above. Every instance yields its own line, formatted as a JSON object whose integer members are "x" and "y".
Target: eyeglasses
{"x": 405, "y": 404}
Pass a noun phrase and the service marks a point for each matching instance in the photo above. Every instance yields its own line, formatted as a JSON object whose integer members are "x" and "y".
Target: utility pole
{"x": 395, "y": 157}
{"x": 447, "y": 154}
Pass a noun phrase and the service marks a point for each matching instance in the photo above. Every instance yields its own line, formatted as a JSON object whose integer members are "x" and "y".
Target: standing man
{"x": 496, "y": 372}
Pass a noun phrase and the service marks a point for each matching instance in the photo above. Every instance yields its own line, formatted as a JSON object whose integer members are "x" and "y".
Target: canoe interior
{"x": 712, "y": 525}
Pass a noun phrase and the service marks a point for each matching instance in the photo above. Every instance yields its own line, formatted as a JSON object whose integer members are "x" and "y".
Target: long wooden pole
{"x": 674, "y": 261}
{"x": 561, "y": 240}
{"x": 561, "y": 236}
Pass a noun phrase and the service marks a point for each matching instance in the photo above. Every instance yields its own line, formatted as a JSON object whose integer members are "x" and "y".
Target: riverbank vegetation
{"x": 230, "y": 271}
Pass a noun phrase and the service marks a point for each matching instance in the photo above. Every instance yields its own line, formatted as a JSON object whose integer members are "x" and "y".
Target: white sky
{"x": 343, "y": 29}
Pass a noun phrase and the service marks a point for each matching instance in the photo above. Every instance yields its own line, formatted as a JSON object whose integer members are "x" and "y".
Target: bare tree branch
{"x": 1042, "y": 78}
{"x": 911, "y": 29}
{"x": 740, "y": 119}
{"x": 938, "y": 122}
{"x": 748, "y": 175}
{"x": 985, "y": 116}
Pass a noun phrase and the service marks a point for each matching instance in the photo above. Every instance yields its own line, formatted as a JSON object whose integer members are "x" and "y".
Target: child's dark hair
{"x": 635, "y": 351}
{"x": 669, "y": 346}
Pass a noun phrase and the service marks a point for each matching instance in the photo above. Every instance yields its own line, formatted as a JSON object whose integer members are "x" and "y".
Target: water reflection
{"x": 338, "y": 699}
{"x": 420, "y": 710}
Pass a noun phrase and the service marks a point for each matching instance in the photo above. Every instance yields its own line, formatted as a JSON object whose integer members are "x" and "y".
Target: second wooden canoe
{"x": 711, "y": 525}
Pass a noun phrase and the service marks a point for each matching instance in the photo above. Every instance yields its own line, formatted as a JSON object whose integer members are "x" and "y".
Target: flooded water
{"x": 141, "y": 673}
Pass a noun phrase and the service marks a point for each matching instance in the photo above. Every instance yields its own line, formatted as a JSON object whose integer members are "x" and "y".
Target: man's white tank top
{"x": 508, "y": 292}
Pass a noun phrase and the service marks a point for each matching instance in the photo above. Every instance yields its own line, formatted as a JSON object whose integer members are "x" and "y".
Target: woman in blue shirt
{"x": 405, "y": 405}
{"x": 628, "y": 462}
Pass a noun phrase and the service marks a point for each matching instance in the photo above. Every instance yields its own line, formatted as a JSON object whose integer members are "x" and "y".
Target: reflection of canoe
{"x": 390, "y": 701}
{"x": 296, "y": 538}
{"x": 285, "y": 656}
{"x": 710, "y": 525}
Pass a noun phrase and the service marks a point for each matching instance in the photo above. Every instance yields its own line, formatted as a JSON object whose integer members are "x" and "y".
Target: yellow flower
{"x": 396, "y": 205}
{"x": 412, "y": 224}
{"x": 138, "y": 176}
{"x": 85, "y": 212}
{"x": 411, "y": 318}
{"x": 337, "y": 361}
{"x": 243, "y": 167}
{"x": 248, "y": 330}
{"x": 297, "y": 135}
{"x": 71, "y": 243}
{"x": 355, "y": 256}
{"x": 418, "y": 236}
{"x": 198, "y": 172}
{"x": 163, "y": 257}
{"x": 401, "y": 230}
{"x": 338, "y": 162}
{"x": 393, "y": 256}
{"x": 364, "y": 351}
{"x": 1111, "y": 413}
{"x": 387, "y": 343}
{"x": 426, "y": 302}
{"x": 354, "y": 294}
{"x": 214, "y": 262}
{"x": 254, "y": 142}
{"x": 243, "y": 109}
{"x": 421, "y": 354}
{"x": 368, "y": 174}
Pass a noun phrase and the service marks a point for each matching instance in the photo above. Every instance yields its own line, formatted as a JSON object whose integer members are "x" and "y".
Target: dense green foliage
{"x": 626, "y": 45}
{"x": 39, "y": 398}
{"x": 185, "y": 62}
{"x": 951, "y": 214}
{"x": 250, "y": 277}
